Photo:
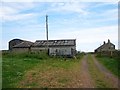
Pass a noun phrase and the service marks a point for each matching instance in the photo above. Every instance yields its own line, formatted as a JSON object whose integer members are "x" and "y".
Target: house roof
{"x": 16, "y": 40}
{"x": 23, "y": 44}
{"x": 104, "y": 45}
{"x": 66, "y": 42}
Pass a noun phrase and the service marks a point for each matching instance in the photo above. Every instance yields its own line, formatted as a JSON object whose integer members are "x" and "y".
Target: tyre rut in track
{"x": 85, "y": 76}
{"x": 112, "y": 79}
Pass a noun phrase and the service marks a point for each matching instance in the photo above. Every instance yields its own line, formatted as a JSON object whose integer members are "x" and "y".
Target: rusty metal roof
{"x": 23, "y": 44}
{"x": 43, "y": 43}
{"x": 66, "y": 42}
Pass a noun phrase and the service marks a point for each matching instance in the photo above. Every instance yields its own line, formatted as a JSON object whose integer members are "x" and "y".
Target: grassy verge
{"x": 97, "y": 76}
{"x": 111, "y": 64}
{"x": 52, "y": 73}
{"x": 34, "y": 69}
{"x": 14, "y": 67}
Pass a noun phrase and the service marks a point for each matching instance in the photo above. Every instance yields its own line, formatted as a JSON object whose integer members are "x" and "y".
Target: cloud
{"x": 112, "y": 13}
{"x": 74, "y": 7}
{"x": 92, "y": 16}
{"x": 7, "y": 10}
{"x": 17, "y": 6}
{"x": 10, "y": 10}
{"x": 13, "y": 11}
{"x": 17, "y": 17}
{"x": 60, "y": 0}
{"x": 88, "y": 39}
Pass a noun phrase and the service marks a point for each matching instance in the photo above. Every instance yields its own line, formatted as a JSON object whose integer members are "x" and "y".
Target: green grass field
{"x": 38, "y": 70}
{"x": 111, "y": 64}
{"x": 15, "y": 67}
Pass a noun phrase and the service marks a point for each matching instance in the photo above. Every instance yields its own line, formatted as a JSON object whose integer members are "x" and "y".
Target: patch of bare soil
{"x": 85, "y": 76}
{"x": 113, "y": 80}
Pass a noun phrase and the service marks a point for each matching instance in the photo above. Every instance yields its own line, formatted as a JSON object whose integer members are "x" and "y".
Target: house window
{"x": 112, "y": 46}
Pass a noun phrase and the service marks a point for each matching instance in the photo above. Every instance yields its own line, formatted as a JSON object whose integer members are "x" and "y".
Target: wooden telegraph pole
{"x": 47, "y": 31}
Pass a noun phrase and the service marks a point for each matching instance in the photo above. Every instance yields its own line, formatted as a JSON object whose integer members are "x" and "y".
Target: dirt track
{"x": 79, "y": 77}
{"x": 113, "y": 80}
{"x": 85, "y": 76}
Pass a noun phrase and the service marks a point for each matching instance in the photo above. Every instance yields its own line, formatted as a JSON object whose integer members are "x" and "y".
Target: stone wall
{"x": 20, "y": 50}
{"x": 37, "y": 49}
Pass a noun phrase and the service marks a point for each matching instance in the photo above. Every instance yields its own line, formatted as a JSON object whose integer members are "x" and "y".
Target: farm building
{"x": 14, "y": 42}
{"x": 24, "y": 46}
{"x": 65, "y": 47}
{"x": 56, "y": 47}
{"x": 106, "y": 47}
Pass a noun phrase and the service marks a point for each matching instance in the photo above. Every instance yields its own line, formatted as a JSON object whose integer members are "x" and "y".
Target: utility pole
{"x": 47, "y": 31}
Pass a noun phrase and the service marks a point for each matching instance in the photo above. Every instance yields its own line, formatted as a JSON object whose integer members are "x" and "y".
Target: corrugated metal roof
{"x": 23, "y": 44}
{"x": 67, "y": 42}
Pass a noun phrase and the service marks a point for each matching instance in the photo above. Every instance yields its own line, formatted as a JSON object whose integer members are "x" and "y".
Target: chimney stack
{"x": 104, "y": 42}
{"x": 108, "y": 41}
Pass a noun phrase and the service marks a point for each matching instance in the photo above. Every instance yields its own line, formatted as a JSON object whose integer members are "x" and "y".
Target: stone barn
{"x": 56, "y": 47}
{"x": 65, "y": 47}
{"x": 18, "y": 45}
{"x": 14, "y": 42}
